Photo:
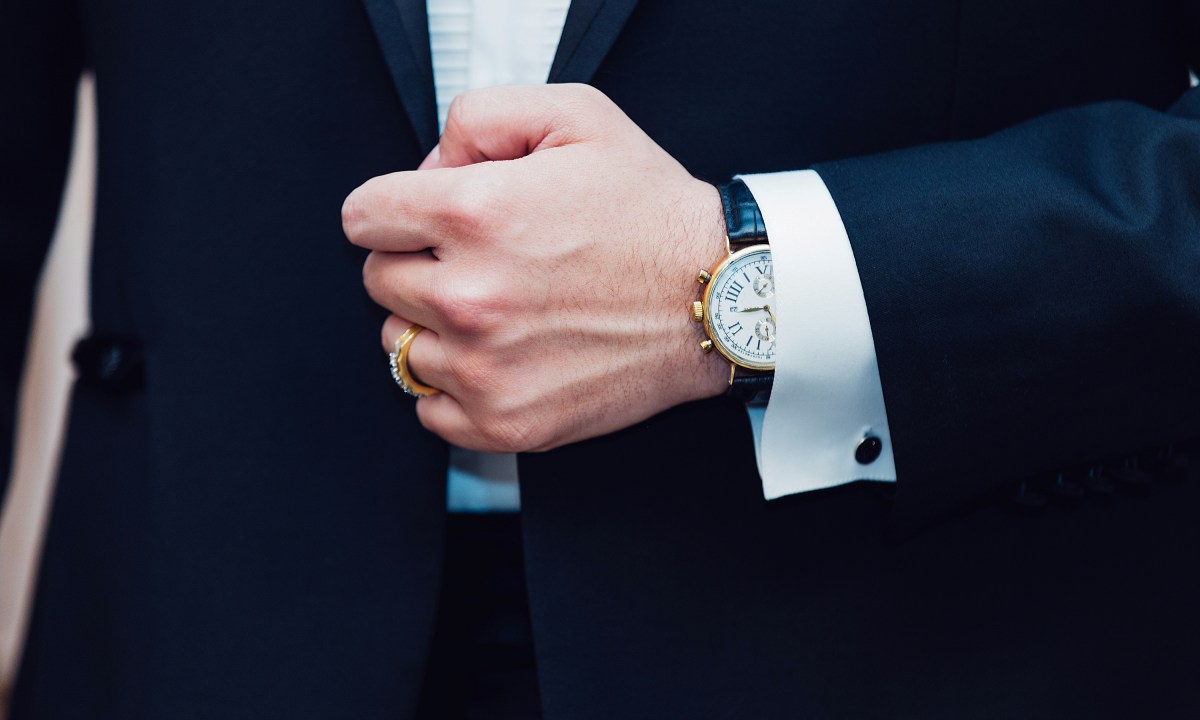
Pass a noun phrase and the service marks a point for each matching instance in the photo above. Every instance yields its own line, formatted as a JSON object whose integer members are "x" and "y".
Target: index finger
{"x": 409, "y": 211}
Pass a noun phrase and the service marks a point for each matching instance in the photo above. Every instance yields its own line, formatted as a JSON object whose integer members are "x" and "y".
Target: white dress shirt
{"x": 827, "y": 395}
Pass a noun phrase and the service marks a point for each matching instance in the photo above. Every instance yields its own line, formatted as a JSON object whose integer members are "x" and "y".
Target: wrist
{"x": 706, "y": 241}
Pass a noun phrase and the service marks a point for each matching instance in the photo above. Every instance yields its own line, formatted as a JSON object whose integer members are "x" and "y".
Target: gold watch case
{"x": 701, "y": 310}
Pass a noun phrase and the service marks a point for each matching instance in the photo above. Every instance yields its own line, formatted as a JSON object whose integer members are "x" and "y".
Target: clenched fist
{"x": 550, "y": 248}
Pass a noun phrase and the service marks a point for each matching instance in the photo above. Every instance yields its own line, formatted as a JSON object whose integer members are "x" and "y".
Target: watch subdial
{"x": 764, "y": 285}
{"x": 764, "y": 330}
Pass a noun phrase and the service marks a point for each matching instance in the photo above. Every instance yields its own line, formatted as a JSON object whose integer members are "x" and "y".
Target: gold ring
{"x": 398, "y": 360}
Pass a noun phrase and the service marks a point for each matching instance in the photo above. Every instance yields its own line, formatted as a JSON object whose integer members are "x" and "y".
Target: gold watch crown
{"x": 698, "y": 311}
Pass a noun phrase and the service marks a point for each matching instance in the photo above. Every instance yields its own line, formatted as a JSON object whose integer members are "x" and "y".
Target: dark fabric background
{"x": 256, "y": 531}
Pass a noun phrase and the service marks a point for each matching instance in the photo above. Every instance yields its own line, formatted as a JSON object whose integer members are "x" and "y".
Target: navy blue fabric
{"x": 256, "y": 533}
{"x": 256, "y": 530}
{"x": 403, "y": 32}
{"x": 1051, "y": 273}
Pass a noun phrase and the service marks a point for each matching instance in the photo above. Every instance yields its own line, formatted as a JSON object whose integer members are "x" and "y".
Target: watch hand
{"x": 753, "y": 309}
{"x": 768, "y": 309}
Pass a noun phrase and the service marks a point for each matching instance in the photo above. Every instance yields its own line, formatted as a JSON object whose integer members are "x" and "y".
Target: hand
{"x": 550, "y": 248}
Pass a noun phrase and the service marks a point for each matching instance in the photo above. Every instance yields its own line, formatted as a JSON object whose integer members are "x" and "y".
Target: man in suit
{"x": 248, "y": 520}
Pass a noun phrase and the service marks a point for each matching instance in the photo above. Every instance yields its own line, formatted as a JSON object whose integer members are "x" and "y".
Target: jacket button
{"x": 868, "y": 450}
{"x": 109, "y": 362}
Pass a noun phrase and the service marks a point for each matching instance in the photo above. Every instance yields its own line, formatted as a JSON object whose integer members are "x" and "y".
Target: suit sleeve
{"x": 40, "y": 63}
{"x": 1034, "y": 295}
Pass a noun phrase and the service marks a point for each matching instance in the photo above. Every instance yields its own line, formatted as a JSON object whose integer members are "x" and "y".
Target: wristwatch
{"x": 739, "y": 293}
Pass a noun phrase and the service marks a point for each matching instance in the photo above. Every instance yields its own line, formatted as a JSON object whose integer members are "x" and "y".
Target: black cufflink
{"x": 868, "y": 450}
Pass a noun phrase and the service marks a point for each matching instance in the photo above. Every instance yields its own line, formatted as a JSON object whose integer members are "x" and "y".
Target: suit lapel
{"x": 402, "y": 29}
{"x": 591, "y": 29}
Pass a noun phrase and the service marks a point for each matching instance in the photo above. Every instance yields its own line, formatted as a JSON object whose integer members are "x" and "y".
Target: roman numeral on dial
{"x": 735, "y": 289}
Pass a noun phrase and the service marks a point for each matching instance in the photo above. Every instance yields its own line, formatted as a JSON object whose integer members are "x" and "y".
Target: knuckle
{"x": 586, "y": 93}
{"x": 491, "y": 439}
{"x": 469, "y": 208}
{"x": 503, "y": 416}
{"x": 513, "y": 421}
{"x": 585, "y": 99}
{"x": 504, "y": 433}
{"x": 472, "y": 308}
{"x": 578, "y": 111}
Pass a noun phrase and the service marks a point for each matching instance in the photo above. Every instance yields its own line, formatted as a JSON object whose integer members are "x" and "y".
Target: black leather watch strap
{"x": 743, "y": 221}
{"x": 752, "y": 386}
{"x": 745, "y": 227}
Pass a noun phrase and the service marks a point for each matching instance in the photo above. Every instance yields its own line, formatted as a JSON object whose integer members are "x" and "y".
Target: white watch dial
{"x": 739, "y": 308}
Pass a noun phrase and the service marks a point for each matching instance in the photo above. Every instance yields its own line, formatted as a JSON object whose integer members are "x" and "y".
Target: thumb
{"x": 512, "y": 121}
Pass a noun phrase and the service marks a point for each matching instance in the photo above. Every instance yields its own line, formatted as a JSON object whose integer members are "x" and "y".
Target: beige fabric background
{"x": 59, "y": 319}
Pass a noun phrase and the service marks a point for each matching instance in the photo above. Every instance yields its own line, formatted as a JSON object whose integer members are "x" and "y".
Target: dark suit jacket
{"x": 249, "y": 519}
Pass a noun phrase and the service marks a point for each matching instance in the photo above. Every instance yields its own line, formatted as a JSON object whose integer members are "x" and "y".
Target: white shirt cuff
{"x": 827, "y": 396}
